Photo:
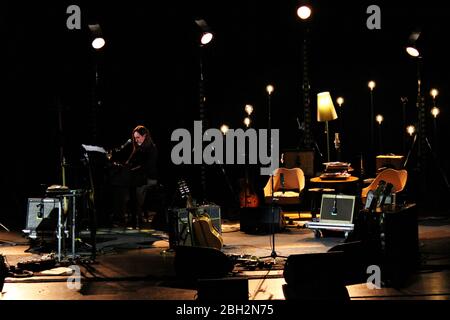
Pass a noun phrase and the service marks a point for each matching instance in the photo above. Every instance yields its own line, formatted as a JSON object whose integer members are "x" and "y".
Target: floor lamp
{"x": 326, "y": 112}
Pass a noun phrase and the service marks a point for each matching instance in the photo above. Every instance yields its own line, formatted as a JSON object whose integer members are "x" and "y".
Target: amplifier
{"x": 42, "y": 216}
{"x": 183, "y": 224}
{"x": 300, "y": 159}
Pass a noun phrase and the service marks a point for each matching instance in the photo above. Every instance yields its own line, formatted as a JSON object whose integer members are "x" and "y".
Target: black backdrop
{"x": 149, "y": 75}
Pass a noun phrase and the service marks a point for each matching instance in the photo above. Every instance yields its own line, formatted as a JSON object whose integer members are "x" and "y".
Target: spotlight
{"x": 224, "y": 129}
{"x": 411, "y": 47}
{"x": 340, "y": 101}
{"x": 304, "y": 10}
{"x": 206, "y": 35}
{"x": 371, "y": 85}
{"x": 410, "y": 130}
{"x": 98, "y": 41}
{"x": 434, "y": 93}
{"x": 269, "y": 89}
{"x": 379, "y": 118}
{"x": 435, "y": 112}
{"x": 248, "y": 109}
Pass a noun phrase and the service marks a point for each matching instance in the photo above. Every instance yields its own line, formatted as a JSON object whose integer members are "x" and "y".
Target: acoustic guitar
{"x": 203, "y": 233}
{"x": 248, "y": 197}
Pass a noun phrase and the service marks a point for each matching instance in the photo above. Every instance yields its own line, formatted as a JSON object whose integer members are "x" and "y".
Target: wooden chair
{"x": 288, "y": 185}
{"x": 398, "y": 178}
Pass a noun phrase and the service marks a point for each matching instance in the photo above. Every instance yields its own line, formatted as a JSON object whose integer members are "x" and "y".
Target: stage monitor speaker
{"x": 201, "y": 263}
{"x": 358, "y": 255}
{"x": 42, "y": 216}
{"x": 315, "y": 276}
{"x": 300, "y": 159}
{"x": 261, "y": 220}
{"x": 225, "y": 289}
{"x": 400, "y": 247}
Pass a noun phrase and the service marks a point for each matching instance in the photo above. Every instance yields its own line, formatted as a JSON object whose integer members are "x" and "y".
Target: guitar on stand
{"x": 248, "y": 197}
{"x": 202, "y": 232}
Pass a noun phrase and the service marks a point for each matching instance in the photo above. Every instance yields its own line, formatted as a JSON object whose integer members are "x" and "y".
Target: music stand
{"x": 91, "y": 203}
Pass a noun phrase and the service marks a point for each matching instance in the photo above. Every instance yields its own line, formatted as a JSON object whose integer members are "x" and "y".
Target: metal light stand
{"x": 202, "y": 101}
{"x": 273, "y": 254}
{"x": 423, "y": 144}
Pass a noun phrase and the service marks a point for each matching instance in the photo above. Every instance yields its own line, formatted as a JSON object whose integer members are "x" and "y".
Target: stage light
{"x": 410, "y": 130}
{"x": 248, "y": 109}
{"x": 411, "y": 47}
{"x": 340, "y": 101}
{"x": 206, "y": 35}
{"x": 98, "y": 41}
{"x": 434, "y": 93}
{"x": 379, "y": 118}
{"x": 371, "y": 85}
{"x": 435, "y": 112}
{"x": 224, "y": 129}
{"x": 412, "y": 51}
{"x": 270, "y": 89}
{"x": 304, "y": 12}
{"x": 247, "y": 122}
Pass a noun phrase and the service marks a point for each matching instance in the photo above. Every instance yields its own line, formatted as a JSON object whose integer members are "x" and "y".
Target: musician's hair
{"x": 143, "y": 131}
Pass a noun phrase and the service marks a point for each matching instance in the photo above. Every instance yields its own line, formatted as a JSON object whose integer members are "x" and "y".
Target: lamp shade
{"x": 325, "y": 107}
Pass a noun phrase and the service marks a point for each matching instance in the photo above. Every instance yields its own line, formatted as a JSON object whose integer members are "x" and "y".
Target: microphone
{"x": 282, "y": 181}
{"x": 41, "y": 210}
{"x": 123, "y": 146}
{"x": 334, "y": 209}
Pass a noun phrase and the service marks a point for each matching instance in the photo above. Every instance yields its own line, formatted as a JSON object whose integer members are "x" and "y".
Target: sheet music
{"x": 93, "y": 148}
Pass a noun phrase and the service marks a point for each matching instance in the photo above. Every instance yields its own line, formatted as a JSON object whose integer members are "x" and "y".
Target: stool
{"x": 316, "y": 197}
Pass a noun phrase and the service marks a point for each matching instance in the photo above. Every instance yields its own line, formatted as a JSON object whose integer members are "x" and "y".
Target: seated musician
{"x": 139, "y": 174}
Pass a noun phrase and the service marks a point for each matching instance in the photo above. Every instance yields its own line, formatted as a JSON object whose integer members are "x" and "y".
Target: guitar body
{"x": 249, "y": 200}
{"x": 205, "y": 235}
{"x": 247, "y": 197}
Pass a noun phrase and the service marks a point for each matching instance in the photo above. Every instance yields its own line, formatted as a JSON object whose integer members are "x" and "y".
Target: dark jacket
{"x": 143, "y": 164}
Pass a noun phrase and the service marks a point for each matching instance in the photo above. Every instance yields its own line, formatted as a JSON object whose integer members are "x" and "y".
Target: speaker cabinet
{"x": 315, "y": 276}
{"x": 224, "y": 289}
{"x": 201, "y": 263}
{"x": 400, "y": 242}
{"x": 42, "y": 216}
{"x": 300, "y": 159}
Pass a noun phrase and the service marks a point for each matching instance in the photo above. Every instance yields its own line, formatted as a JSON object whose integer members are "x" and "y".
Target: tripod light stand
{"x": 206, "y": 36}
{"x": 423, "y": 145}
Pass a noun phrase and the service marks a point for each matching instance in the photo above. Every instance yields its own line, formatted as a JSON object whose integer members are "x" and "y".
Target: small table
{"x": 334, "y": 181}
{"x": 340, "y": 185}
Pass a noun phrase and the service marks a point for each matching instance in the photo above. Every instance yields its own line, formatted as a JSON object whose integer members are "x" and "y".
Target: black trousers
{"x": 137, "y": 202}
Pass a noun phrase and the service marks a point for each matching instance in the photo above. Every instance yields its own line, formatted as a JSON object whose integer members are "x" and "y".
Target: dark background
{"x": 149, "y": 74}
